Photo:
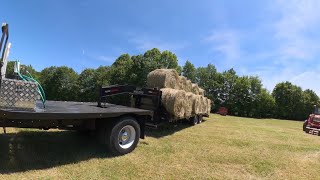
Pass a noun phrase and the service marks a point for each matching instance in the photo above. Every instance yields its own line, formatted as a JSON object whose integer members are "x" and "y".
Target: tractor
{"x": 312, "y": 124}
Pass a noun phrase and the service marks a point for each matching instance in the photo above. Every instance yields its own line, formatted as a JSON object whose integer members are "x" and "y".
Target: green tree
{"x": 265, "y": 106}
{"x": 28, "y": 69}
{"x": 87, "y": 86}
{"x": 102, "y": 76}
{"x": 60, "y": 83}
{"x": 289, "y": 101}
{"x": 23, "y": 70}
{"x": 168, "y": 60}
{"x": 310, "y": 99}
{"x": 226, "y": 95}
{"x": 157, "y": 59}
{"x": 10, "y": 69}
{"x": 239, "y": 97}
{"x": 255, "y": 89}
{"x": 210, "y": 80}
{"x": 119, "y": 72}
{"x": 153, "y": 57}
{"x": 139, "y": 70}
{"x": 189, "y": 71}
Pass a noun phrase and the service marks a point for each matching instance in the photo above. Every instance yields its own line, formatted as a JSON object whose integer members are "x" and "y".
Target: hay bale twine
{"x": 190, "y": 100}
{"x": 201, "y": 91}
{"x": 195, "y": 89}
{"x": 174, "y": 101}
{"x": 163, "y": 78}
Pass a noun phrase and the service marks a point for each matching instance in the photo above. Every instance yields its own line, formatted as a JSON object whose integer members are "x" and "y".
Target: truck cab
{"x": 312, "y": 124}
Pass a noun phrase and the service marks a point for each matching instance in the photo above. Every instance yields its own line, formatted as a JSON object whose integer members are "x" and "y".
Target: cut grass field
{"x": 219, "y": 148}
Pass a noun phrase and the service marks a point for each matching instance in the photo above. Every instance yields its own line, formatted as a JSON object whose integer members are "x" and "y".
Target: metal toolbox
{"x": 18, "y": 94}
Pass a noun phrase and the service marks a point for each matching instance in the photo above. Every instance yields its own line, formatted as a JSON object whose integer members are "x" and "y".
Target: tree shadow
{"x": 34, "y": 150}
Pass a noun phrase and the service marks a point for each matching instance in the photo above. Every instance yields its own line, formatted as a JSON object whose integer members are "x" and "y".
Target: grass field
{"x": 219, "y": 148}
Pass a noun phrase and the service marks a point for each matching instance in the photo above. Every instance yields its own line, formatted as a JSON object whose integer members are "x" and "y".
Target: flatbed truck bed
{"x": 118, "y": 127}
{"x": 61, "y": 110}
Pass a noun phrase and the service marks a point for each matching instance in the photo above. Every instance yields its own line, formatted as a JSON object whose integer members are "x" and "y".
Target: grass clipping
{"x": 163, "y": 78}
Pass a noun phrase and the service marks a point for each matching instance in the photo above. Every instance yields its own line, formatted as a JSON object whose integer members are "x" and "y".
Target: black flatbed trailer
{"x": 62, "y": 110}
{"x": 118, "y": 127}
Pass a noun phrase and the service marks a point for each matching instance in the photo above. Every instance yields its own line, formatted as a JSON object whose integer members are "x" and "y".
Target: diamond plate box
{"x": 18, "y": 94}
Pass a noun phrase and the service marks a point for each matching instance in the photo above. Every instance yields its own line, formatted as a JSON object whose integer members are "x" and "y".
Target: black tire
{"x": 304, "y": 127}
{"x": 200, "y": 119}
{"x": 112, "y": 136}
{"x": 193, "y": 120}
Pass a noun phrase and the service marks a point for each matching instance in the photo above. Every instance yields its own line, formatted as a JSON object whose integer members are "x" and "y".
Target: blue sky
{"x": 274, "y": 39}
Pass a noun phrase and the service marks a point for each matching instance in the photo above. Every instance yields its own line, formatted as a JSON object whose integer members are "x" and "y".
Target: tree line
{"x": 243, "y": 95}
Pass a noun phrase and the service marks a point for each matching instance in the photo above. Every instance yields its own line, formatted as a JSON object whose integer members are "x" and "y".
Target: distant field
{"x": 219, "y": 148}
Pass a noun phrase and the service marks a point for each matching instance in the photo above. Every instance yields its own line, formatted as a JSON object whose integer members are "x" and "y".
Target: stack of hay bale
{"x": 180, "y": 96}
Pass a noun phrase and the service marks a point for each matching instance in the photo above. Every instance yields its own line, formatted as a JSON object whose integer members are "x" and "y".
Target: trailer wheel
{"x": 124, "y": 136}
{"x": 200, "y": 118}
{"x": 193, "y": 120}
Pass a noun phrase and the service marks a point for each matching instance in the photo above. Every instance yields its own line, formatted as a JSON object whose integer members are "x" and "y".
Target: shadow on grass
{"x": 33, "y": 150}
{"x": 168, "y": 129}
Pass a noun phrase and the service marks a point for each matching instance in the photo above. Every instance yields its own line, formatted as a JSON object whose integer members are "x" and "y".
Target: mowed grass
{"x": 219, "y": 148}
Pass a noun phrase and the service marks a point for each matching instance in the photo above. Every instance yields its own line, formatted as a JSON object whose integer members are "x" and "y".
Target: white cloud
{"x": 297, "y": 19}
{"x": 225, "y": 42}
{"x": 304, "y": 79}
{"x": 308, "y": 80}
{"x": 294, "y": 46}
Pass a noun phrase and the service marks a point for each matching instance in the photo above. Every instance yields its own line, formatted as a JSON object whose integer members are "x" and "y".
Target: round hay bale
{"x": 189, "y": 104}
{"x": 163, "y": 78}
{"x": 201, "y": 91}
{"x": 203, "y": 106}
{"x": 189, "y": 86}
{"x": 195, "y": 89}
{"x": 209, "y": 106}
{"x": 174, "y": 101}
{"x": 182, "y": 82}
{"x": 196, "y": 107}
{"x": 185, "y": 84}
